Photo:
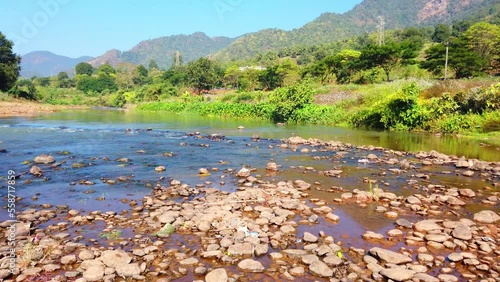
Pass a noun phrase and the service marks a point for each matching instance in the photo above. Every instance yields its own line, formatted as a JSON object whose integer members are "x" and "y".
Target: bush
{"x": 290, "y": 99}
{"x": 478, "y": 100}
{"x": 400, "y": 111}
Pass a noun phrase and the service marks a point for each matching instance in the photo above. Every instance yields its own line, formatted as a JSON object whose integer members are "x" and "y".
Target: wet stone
{"x": 217, "y": 275}
{"x": 462, "y": 232}
{"x": 320, "y": 269}
{"x": 251, "y": 265}
{"x": 389, "y": 256}
{"x": 397, "y": 274}
{"x": 486, "y": 216}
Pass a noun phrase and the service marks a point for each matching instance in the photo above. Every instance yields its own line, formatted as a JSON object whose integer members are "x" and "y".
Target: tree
{"x": 125, "y": 75}
{"x": 140, "y": 75}
{"x": 9, "y": 64}
{"x": 441, "y": 34}
{"x": 89, "y": 84}
{"x": 177, "y": 60}
{"x": 232, "y": 76}
{"x": 24, "y": 88}
{"x": 271, "y": 78}
{"x": 62, "y": 75}
{"x": 202, "y": 74}
{"x": 387, "y": 56}
{"x": 84, "y": 68}
{"x": 462, "y": 60}
{"x": 106, "y": 69}
{"x": 343, "y": 65}
{"x": 484, "y": 39}
{"x": 153, "y": 65}
{"x": 177, "y": 76}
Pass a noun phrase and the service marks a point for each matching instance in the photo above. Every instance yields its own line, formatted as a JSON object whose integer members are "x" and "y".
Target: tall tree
{"x": 9, "y": 64}
{"x": 484, "y": 39}
{"x": 442, "y": 33}
{"x": 84, "y": 68}
{"x": 387, "y": 56}
{"x": 153, "y": 65}
{"x": 343, "y": 65}
{"x": 461, "y": 59}
{"x": 177, "y": 60}
{"x": 202, "y": 74}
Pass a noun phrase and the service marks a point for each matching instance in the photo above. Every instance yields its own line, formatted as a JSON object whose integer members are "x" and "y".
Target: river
{"x": 94, "y": 146}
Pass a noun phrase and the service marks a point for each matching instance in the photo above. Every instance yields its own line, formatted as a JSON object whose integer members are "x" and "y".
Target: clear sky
{"x": 91, "y": 27}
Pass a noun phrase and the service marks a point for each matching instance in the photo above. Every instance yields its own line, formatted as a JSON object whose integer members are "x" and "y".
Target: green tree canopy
{"x": 442, "y": 33}
{"x": 461, "y": 59}
{"x": 9, "y": 64}
{"x": 387, "y": 56}
{"x": 106, "y": 69}
{"x": 202, "y": 74}
{"x": 62, "y": 75}
{"x": 484, "y": 39}
{"x": 153, "y": 65}
{"x": 84, "y": 68}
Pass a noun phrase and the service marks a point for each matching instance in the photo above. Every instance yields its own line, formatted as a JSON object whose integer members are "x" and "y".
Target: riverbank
{"x": 394, "y": 106}
{"x": 27, "y": 108}
{"x": 283, "y": 222}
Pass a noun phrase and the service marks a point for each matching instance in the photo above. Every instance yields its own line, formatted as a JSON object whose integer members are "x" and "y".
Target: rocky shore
{"x": 273, "y": 230}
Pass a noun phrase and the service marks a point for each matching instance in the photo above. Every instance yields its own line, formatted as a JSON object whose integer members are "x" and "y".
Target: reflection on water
{"x": 402, "y": 141}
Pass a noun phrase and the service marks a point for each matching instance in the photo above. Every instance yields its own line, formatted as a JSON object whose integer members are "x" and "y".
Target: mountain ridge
{"x": 46, "y": 63}
{"x": 326, "y": 28}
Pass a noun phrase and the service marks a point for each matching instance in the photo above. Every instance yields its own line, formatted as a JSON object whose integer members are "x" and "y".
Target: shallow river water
{"x": 96, "y": 140}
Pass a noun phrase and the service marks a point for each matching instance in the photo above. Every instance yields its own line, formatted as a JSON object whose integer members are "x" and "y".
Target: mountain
{"x": 365, "y": 17}
{"x": 163, "y": 49}
{"x": 45, "y": 63}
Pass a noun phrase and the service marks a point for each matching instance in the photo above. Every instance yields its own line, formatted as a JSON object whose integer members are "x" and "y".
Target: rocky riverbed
{"x": 273, "y": 228}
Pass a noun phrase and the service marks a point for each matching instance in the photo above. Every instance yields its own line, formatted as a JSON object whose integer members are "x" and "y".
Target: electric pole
{"x": 446, "y": 62}
{"x": 381, "y": 28}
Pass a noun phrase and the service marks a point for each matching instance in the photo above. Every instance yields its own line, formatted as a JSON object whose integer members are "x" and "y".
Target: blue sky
{"x": 91, "y": 27}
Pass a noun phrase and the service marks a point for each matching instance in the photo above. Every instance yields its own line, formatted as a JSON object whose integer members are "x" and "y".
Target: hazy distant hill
{"x": 162, "y": 50}
{"x": 363, "y": 18}
{"x": 44, "y": 63}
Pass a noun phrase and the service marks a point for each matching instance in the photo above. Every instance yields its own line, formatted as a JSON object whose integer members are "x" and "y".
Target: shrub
{"x": 290, "y": 99}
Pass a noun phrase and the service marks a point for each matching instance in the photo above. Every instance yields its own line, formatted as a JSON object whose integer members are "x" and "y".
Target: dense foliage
{"x": 9, "y": 64}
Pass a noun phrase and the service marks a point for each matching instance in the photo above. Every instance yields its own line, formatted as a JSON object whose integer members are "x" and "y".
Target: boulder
{"x": 217, "y": 275}
{"x": 426, "y": 226}
{"x": 128, "y": 270}
{"x": 389, "y": 256}
{"x": 462, "y": 232}
{"x": 397, "y": 274}
{"x": 115, "y": 258}
{"x": 251, "y": 265}
{"x": 320, "y": 269}
{"x": 272, "y": 166}
{"x": 486, "y": 216}
{"x": 44, "y": 159}
{"x": 243, "y": 173}
{"x": 94, "y": 273}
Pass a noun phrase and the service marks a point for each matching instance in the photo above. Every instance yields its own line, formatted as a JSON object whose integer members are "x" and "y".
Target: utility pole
{"x": 381, "y": 28}
{"x": 446, "y": 62}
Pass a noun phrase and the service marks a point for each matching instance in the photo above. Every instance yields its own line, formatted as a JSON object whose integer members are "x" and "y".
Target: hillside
{"x": 44, "y": 63}
{"x": 363, "y": 18}
{"x": 162, "y": 50}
